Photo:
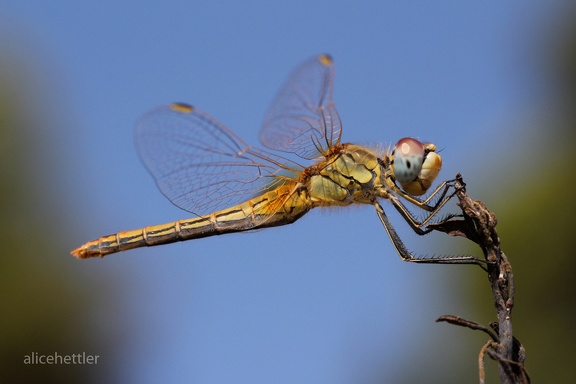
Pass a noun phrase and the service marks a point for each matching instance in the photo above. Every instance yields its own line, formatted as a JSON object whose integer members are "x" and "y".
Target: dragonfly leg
{"x": 414, "y": 223}
{"x": 408, "y": 256}
{"x": 439, "y": 194}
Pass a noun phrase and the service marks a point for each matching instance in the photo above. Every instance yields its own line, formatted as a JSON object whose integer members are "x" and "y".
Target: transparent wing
{"x": 303, "y": 119}
{"x": 199, "y": 164}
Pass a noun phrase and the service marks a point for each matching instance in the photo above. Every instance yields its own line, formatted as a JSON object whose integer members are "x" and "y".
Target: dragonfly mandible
{"x": 204, "y": 168}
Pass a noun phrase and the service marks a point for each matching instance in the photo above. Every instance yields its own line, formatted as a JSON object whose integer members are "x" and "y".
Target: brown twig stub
{"x": 479, "y": 225}
{"x": 457, "y": 320}
{"x": 481, "y": 222}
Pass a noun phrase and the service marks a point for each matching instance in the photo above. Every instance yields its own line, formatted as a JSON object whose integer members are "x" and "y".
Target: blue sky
{"x": 306, "y": 303}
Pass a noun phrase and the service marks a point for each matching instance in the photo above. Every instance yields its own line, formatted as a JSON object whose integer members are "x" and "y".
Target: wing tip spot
{"x": 325, "y": 59}
{"x": 182, "y": 107}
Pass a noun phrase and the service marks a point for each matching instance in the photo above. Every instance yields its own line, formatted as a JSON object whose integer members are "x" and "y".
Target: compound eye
{"x": 408, "y": 158}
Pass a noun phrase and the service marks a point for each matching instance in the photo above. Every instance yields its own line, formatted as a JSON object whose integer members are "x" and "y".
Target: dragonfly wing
{"x": 200, "y": 165}
{"x": 303, "y": 119}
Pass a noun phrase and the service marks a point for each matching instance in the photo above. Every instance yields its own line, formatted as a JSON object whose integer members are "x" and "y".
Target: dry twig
{"x": 479, "y": 225}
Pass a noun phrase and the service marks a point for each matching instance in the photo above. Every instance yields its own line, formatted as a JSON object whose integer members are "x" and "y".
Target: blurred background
{"x": 325, "y": 300}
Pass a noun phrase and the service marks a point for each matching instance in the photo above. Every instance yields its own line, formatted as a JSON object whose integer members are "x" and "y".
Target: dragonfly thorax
{"x": 349, "y": 175}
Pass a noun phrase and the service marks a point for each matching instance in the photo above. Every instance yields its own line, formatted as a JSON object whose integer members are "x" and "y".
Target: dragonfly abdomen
{"x": 281, "y": 206}
{"x": 181, "y": 230}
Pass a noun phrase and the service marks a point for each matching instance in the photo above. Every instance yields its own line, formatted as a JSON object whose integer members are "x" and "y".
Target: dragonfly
{"x": 229, "y": 186}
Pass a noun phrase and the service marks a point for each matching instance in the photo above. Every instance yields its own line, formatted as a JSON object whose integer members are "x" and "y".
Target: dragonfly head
{"x": 415, "y": 165}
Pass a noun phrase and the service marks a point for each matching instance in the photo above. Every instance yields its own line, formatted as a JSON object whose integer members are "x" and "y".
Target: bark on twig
{"x": 479, "y": 225}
